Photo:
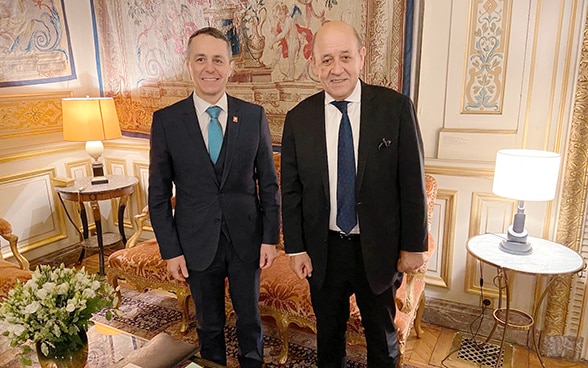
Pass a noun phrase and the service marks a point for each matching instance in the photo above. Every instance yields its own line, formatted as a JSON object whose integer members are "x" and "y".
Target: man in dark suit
{"x": 353, "y": 197}
{"x": 216, "y": 150}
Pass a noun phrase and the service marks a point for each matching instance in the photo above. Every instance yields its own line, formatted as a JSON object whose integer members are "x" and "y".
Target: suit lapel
{"x": 190, "y": 121}
{"x": 231, "y": 134}
{"x": 320, "y": 140}
{"x": 367, "y": 120}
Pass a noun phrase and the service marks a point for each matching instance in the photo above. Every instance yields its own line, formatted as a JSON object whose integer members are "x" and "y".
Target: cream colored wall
{"x": 535, "y": 96}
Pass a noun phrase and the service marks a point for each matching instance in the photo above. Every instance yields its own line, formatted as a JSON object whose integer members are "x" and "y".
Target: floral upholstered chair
{"x": 286, "y": 298}
{"x": 140, "y": 265}
{"x": 10, "y": 272}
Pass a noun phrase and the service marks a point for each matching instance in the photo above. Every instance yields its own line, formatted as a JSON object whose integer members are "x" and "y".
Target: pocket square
{"x": 384, "y": 143}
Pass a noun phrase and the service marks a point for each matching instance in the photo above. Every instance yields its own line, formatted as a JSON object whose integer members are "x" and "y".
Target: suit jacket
{"x": 246, "y": 197}
{"x": 390, "y": 188}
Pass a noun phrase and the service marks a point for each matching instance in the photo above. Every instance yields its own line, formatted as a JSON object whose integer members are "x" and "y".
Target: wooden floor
{"x": 431, "y": 350}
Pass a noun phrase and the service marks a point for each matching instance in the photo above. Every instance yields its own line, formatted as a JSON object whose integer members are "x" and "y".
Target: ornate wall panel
{"x": 487, "y": 43}
{"x": 442, "y": 229}
{"x": 118, "y": 166}
{"x": 33, "y": 202}
{"x": 141, "y": 171}
{"x": 489, "y": 214}
{"x": 27, "y": 114}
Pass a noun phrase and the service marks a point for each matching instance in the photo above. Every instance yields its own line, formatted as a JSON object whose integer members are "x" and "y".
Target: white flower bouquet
{"x": 53, "y": 308}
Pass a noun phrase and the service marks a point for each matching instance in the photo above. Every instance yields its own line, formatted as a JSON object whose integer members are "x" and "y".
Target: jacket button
{"x": 217, "y": 220}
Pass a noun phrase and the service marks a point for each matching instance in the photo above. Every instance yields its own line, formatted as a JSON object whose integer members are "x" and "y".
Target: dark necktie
{"x": 346, "y": 208}
{"x": 215, "y": 133}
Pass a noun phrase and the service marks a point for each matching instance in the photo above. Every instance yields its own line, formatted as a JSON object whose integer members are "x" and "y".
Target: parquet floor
{"x": 430, "y": 350}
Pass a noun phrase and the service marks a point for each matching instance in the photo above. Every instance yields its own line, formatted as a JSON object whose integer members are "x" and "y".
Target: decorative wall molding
{"x": 443, "y": 229}
{"x": 489, "y": 214}
{"x": 29, "y": 114}
{"x": 33, "y": 211}
{"x": 141, "y": 172}
{"x": 572, "y": 211}
{"x": 487, "y": 56}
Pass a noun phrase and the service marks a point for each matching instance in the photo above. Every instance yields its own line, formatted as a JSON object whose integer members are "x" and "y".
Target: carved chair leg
{"x": 184, "y": 305}
{"x": 419, "y": 315}
{"x": 282, "y": 324}
{"x": 112, "y": 279}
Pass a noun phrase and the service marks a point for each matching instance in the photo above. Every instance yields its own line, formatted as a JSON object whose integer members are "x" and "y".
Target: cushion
{"x": 9, "y": 274}
{"x": 280, "y": 289}
{"x": 143, "y": 260}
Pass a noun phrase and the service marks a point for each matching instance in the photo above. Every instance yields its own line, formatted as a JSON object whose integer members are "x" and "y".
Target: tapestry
{"x": 141, "y": 46}
{"x": 34, "y": 43}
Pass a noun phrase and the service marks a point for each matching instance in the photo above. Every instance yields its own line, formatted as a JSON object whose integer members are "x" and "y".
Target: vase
{"x": 65, "y": 358}
{"x": 255, "y": 40}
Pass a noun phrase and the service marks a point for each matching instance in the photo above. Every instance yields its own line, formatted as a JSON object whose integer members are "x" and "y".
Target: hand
{"x": 410, "y": 261}
{"x": 177, "y": 268}
{"x": 267, "y": 254}
{"x": 302, "y": 265}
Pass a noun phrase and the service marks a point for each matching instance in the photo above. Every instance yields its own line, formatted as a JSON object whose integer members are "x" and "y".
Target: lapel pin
{"x": 235, "y": 119}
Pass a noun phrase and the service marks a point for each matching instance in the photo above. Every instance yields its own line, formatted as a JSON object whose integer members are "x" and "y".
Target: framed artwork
{"x": 142, "y": 50}
{"x": 34, "y": 43}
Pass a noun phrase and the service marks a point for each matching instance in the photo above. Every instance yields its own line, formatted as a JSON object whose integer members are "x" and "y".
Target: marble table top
{"x": 547, "y": 257}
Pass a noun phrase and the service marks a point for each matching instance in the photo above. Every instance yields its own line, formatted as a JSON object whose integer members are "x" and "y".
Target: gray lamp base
{"x": 516, "y": 247}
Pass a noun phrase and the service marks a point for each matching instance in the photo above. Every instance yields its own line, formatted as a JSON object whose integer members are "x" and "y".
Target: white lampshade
{"x": 526, "y": 175}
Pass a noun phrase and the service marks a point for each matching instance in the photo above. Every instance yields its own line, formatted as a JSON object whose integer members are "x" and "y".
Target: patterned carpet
{"x": 147, "y": 314}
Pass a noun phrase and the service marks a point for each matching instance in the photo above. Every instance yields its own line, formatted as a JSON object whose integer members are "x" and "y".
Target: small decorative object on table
{"x": 52, "y": 310}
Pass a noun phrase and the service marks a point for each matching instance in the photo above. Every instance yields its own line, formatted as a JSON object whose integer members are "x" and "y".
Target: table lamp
{"x": 524, "y": 175}
{"x": 91, "y": 120}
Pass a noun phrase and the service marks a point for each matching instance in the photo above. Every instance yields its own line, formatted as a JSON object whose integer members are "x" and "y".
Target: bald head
{"x": 337, "y": 27}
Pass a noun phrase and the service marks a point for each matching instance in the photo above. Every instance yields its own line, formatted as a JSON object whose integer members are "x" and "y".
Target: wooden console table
{"x": 118, "y": 186}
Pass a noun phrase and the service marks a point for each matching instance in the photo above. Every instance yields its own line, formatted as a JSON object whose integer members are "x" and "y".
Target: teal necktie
{"x": 346, "y": 207}
{"x": 215, "y": 133}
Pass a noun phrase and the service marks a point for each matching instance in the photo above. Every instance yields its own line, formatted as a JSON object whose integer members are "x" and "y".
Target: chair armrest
{"x": 412, "y": 278}
{"x": 409, "y": 298}
{"x": 138, "y": 223}
{"x": 6, "y": 233}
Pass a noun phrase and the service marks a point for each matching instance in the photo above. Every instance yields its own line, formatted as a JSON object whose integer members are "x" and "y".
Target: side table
{"x": 118, "y": 186}
{"x": 547, "y": 258}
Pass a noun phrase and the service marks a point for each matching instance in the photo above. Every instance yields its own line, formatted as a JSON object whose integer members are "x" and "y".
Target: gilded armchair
{"x": 10, "y": 272}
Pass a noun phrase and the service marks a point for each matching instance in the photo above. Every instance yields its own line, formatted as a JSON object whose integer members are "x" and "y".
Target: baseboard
{"x": 466, "y": 318}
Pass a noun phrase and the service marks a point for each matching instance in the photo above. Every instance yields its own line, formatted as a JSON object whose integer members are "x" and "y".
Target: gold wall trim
{"x": 36, "y": 153}
{"x": 478, "y": 131}
{"x": 574, "y": 190}
{"x": 459, "y": 171}
{"x": 448, "y": 242}
{"x": 29, "y": 114}
{"x": 487, "y": 56}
